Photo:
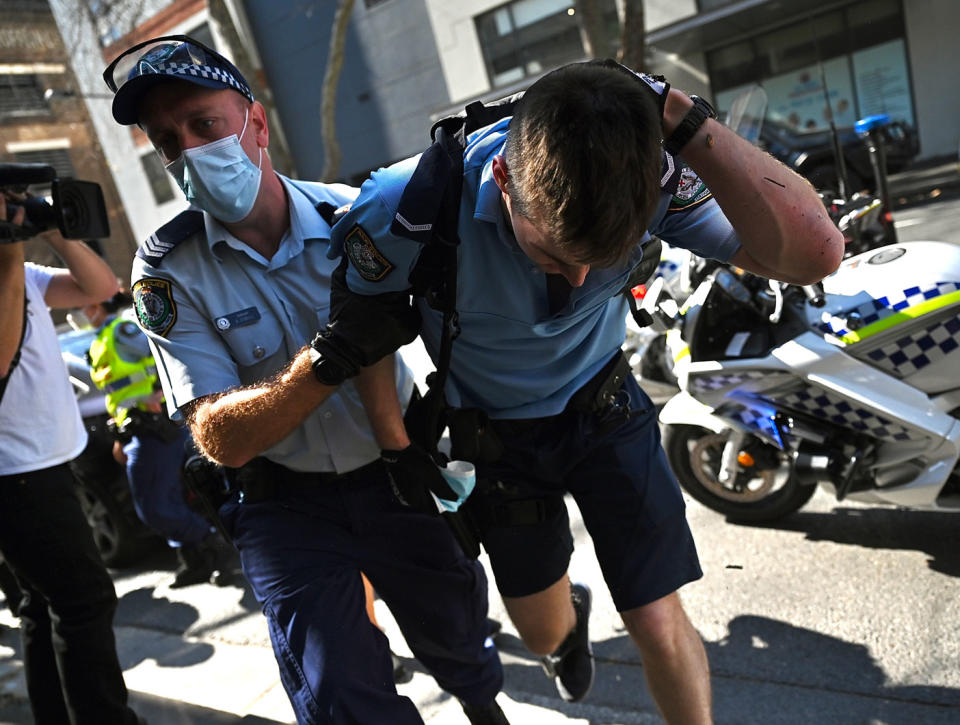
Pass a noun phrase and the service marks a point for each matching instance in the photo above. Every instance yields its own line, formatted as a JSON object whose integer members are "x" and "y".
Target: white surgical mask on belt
{"x": 219, "y": 177}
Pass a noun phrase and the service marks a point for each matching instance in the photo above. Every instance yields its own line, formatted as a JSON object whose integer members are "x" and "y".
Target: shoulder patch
{"x": 154, "y": 305}
{"x": 361, "y": 250}
{"x": 159, "y": 244}
{"x": 690, "y": 192}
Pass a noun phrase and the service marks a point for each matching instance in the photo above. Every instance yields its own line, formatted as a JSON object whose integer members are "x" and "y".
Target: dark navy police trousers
{"x": 303, "y": 550}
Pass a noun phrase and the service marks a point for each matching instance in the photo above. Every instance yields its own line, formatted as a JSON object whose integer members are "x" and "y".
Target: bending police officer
{"x": 551, "y": 210}
{"x": 228, "y": 292}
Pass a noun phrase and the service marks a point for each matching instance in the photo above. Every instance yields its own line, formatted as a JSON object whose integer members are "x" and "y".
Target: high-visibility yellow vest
{"x": 127, "y": 383}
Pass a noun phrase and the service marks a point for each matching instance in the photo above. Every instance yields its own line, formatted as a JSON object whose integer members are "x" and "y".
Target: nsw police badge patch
{"x": 154, "y": 305}
{"x": 691, "y": 191}
{"x": 371, "y": 265}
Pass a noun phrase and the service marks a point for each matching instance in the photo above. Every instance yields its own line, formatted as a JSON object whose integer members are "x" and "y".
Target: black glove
{"x": 413, "y": 475}
{"x": 362, "y": 329}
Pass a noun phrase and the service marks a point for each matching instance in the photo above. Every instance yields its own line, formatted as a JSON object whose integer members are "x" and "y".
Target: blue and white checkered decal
{"x": 824, "y": 405}
{"x": 758, "y": 416}
{"x": 718, "y": 381}
{"x": 878, "y": 309}
{"x": 920, "y": 348}
{"x": 204, "y": 71}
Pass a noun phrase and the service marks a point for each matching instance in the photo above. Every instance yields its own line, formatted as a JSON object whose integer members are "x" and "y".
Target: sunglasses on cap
{"x": 176, "y": 56}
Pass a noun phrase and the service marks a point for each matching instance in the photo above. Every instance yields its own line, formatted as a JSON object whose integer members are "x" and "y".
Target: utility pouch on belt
{"x": 599, "y": 394}
{"x": 472, "y": 438}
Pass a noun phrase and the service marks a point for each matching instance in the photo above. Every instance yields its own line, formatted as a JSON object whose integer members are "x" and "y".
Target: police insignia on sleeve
{"x": 371, "y": 265}
{"x": 154, "y": 305}
{"x": 691, "y": 191}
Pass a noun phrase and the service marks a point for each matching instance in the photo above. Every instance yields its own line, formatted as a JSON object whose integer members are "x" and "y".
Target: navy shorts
{"x": 629, "y": 499}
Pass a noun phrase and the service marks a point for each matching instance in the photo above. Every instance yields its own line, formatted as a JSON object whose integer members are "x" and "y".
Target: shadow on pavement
{"x": 934, "y": 533}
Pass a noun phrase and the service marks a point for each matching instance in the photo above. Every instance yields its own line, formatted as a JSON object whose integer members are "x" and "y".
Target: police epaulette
{"x": 159, "y": 244}
{"x": 669, "y": 174}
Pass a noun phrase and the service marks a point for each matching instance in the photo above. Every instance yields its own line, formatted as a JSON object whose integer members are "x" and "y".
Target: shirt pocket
{"x": 257, "y": 348}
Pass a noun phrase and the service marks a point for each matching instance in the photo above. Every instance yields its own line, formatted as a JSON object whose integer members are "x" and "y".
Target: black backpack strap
{"x": 641, "y": 274}
{"x": 428, "y": 213}
{"x": 16, "y": 356}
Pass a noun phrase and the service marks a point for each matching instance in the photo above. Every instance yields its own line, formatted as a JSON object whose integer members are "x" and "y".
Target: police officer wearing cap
{"x": 229, "y": 293}
{"x": 554, "y": 206}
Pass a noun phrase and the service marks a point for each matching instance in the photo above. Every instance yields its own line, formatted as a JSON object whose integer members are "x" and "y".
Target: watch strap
{"x": 695, "y": 117}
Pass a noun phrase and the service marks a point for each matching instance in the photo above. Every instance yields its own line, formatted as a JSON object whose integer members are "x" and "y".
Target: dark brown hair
{"x": 584, "y": 158}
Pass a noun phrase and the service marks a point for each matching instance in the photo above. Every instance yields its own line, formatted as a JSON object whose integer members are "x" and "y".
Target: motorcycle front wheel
{"x": 758, "y": 493}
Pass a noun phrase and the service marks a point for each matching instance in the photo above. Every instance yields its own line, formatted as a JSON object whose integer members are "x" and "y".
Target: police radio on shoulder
{"x": 689, "y": 125}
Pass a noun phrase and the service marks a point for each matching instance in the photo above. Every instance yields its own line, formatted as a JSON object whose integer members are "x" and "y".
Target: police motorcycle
{"x": 849, "y": 384}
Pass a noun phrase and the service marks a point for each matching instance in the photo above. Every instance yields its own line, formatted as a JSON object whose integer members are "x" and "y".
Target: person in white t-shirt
{"x": 66, "y": 614}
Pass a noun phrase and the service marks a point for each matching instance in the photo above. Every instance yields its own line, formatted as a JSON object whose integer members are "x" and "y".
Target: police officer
{"x": 228, "y": 292}
{"x": 149, "y": 444}
{"x": 555, "y": 204}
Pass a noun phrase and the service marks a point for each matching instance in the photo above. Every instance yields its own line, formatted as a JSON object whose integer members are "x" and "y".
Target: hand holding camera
{"x": 75, "y": 208}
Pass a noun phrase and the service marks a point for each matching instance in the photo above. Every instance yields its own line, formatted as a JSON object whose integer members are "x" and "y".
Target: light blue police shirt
{"x": 240, "y": 318}
{"x": 513, "y": 358}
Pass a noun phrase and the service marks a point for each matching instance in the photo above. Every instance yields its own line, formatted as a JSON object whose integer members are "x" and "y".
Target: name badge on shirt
{"x": 238, "y": 319}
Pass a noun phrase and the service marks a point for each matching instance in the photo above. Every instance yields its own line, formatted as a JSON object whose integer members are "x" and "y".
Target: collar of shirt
{"x": 482, "y": 147}
{"x": 306, "y": 224}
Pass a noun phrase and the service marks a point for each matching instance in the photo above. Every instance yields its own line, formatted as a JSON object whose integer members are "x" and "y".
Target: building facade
{"x": 43, "y": 119}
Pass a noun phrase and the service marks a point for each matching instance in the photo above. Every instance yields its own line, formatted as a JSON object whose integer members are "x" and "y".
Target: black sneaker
{"x": 489, "y": 714}
{"x": 571, "y": 666}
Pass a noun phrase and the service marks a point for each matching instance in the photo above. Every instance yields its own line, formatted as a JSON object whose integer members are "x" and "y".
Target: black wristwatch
{"x": 688, "y": 127}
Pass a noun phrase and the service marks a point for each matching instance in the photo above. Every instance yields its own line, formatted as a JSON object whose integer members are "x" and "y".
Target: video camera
{"x": 76, "y": 208}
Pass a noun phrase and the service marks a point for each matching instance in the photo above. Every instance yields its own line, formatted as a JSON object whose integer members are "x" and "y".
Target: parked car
{"x": 810, "y": 153}
{"x": 121, "y": 537}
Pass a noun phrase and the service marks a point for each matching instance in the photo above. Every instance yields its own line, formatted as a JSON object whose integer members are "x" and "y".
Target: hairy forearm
{"x": 239, "y": 425}
{"x": 378, "y": 391}
{"x": 11, "y": 303}
{"x": 777, "y": 214}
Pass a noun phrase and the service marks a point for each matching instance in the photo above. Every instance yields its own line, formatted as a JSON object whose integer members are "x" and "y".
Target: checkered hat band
{"x": 204, "y": 71}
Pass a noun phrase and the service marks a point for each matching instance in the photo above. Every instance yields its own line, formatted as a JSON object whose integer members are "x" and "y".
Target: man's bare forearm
{"x": 87, "y": 280}
{"x": 378, "y": 390}
{"x": 239, "y": 425}
{"x": 777, "y": 214}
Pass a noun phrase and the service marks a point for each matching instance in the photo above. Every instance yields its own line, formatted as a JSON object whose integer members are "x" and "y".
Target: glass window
{"x": 859, "y": 49}
{"x": 21, "y": 95}
{"x": 158, "y": 177}
{"x": 527, "y": 37}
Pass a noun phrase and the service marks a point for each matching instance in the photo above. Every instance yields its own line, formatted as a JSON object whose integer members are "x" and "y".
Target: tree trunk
{"x": 631, "y": 35}
{"x": 279, "y": 154}
{"x": 331, "y": 79}
{"x": 590, "y": 17}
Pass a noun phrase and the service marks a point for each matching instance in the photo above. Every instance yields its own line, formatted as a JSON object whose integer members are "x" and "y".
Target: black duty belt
{"x": 261, "y": 479}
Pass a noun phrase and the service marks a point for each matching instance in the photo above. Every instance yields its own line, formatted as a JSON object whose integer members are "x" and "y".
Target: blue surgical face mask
{"x": 219, "y": 177}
